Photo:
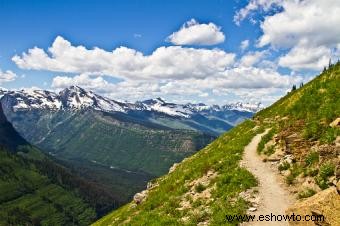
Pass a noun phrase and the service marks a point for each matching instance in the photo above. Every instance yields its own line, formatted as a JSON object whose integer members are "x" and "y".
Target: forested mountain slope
{"x": 9, "y": 138}
{"x": 34, "y": 190}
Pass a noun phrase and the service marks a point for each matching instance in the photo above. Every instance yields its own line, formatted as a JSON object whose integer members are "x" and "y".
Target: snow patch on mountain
{"x": 33, "y": 99}
{"x": 160, "y": 105}
{"x": 77, "y": 98}
{"x": 238, "y": 106}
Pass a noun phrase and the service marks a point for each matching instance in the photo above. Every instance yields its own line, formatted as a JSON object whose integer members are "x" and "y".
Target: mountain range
{"x": 213, "y": 119}
{"x": 119, "y": 145}
{"x": 76, "y": 97}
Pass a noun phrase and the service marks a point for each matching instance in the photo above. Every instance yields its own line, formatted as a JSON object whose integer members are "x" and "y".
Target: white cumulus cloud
{"x": 164, "y": 63}
{"x": 194, "y": 33}
{"x": 314, "y": 21}
{"x": 305, "y": 57}
{"x": 308, "y": 29}
{"x": 230, "y": 81}
{"x": 254, "y": 5}
{"x": 251, "y": 58}
{"x": 7, "y": 76}
{"x": 83, "y": 80}
{"x": 244, "y": 45}
{"x": 174, "y": 72}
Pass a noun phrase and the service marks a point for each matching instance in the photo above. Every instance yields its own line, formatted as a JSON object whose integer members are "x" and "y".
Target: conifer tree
{"x": 294, "y": 87}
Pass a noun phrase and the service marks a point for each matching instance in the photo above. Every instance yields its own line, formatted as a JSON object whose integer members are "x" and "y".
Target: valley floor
{"x": 273, "y": 198}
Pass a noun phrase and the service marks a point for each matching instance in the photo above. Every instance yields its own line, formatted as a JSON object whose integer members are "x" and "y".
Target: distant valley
{"x": 35, "y": 190}
{"x": 119, "y": 145}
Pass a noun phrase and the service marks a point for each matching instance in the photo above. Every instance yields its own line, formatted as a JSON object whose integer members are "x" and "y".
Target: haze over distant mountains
{"x": 119, "y": 145}
{"x": 213, "y": 119}
{"x": 76, "y": 97}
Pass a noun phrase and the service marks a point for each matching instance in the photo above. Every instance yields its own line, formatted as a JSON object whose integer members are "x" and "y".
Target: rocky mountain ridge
{"x": 76, "y": 98}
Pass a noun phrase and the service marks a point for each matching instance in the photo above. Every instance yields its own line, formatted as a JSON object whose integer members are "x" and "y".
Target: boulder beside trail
{"x": 335, "y": 123}
{"x": 140, "y": 197}
{"x": 326, "y": 203}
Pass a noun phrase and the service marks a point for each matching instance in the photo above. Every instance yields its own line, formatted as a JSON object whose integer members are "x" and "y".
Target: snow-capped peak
{"x": 28, "y": 99}
{"x": 197, "y": 107}
{"x": 3, "y": 91}
{"x": 72, "y": 98}
{"x": 157, "y": 100}
{"x": 249, "y": 107}
{"x": 160, "y": 105}
{"x": 76, "y": 98}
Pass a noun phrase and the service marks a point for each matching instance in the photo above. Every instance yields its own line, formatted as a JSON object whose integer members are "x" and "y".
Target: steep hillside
{"x": 304, "y": 138}
{"x": 109, "y": 139}
{"x": 37, "y": 191}
{"x": 108, "y": 148}
{"x": 9, "y": 138}
{"x": 27, "y": 196}
{"x": 30, "y": 198}
{"x": 303, "y": 142}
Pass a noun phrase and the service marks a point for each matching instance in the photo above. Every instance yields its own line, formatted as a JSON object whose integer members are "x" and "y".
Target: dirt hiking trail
{"x": 272, "y": 194}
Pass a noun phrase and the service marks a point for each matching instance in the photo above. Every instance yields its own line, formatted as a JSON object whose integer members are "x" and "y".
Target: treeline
{"x": 330, "y": 67}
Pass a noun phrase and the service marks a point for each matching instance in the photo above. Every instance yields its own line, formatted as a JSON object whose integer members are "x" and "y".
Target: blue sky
{"x": 145, "y": 26}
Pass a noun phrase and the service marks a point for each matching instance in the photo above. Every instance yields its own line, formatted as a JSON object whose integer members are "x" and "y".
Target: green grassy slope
{"x": 186, "y": 197}
{"x": 302, "y": 124}
{"x": 163, "y": 203}
{"x": 314, "y": 106}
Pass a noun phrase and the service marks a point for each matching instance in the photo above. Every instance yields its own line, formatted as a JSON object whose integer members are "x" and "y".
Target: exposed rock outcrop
{"x": 326, "y": 203}
{"x": 335, "y": 123}
{"x": 140, "y": 197}
{"x": 173, "y": 167}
